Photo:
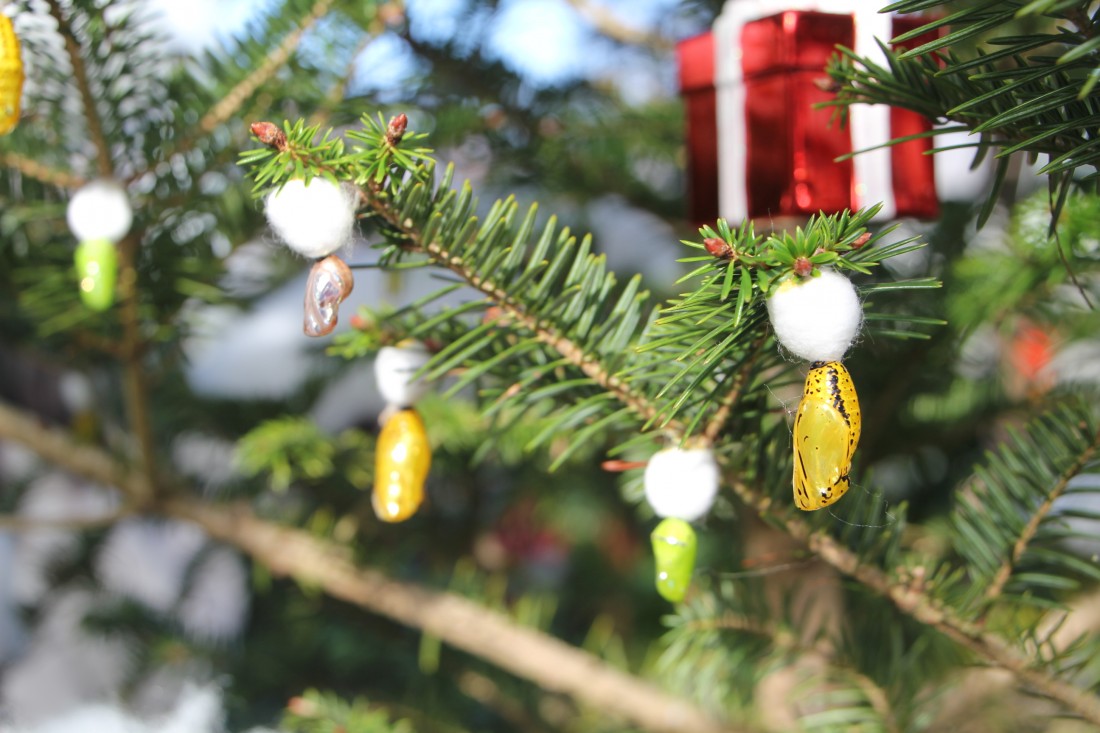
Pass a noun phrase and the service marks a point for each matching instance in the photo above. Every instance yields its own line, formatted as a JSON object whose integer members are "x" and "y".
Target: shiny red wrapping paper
{"x": 791, "y": 148}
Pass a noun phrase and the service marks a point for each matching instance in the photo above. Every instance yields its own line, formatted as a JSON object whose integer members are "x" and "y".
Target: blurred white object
{"x": 394, "y": 369}
{"x": 313, "y": 219}
{"x": 100, "y": 210}
{"x": 147, "y": 560}
{"x": 215, "y": 606}
{"x": 682, "y": 483}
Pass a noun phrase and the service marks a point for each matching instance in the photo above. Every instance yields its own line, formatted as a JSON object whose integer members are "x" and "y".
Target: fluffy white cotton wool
{"x": 314, "y": 220}
{"x": 816, "y": 318}
{"x": 393, "y": 371}
{"x": 681, "y": 483}
{"x": 100, "y": 210}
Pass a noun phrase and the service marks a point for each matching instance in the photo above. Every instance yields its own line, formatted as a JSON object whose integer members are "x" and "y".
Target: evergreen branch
{"x": 132, "y": 343}
{"x": 80, "y": 75}
{"x": 15, "y": 523}
{"x": 527, "y": 653}
{"x": 912, "y": 600}
{"x": 33, "y": 169}
{"x": 608, "y": 24}
{"x": 59, "y": 447}
{"x": 996, "y": 587}
{"x": 725, "y": 405}
{"x": 545, "y": 332}
{"x": 276, "y": 59}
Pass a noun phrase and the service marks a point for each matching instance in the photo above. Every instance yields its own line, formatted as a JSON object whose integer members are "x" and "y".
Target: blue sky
{"x": 545, "y": 40}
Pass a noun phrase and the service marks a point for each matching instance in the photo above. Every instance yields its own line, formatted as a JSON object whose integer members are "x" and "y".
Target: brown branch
{"x": 133, "y": 347}
{"x": 80, "y": 76}
{"x": 58, "y": 447}
{"x": 544, "y": 332}
{"x": 725, "y": 406}
{"x": 275, "y": 60}
{"x": 608, "y": 24}
{"x": 914, "y": 602}
{"x": 33, "y": 169}
{"x": 461, "y": 623}
{"x": 15, "y": 523}
{"x": 996, "y": 587}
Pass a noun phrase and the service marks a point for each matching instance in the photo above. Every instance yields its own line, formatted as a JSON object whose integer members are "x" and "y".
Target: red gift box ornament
{"x": 765, "y": 151}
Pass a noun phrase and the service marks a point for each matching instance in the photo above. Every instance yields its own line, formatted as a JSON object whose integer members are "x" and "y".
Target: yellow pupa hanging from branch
{"x": 826, "y": 432}
{"x": 11, "y": 76}
{"x": 403, "y": 457}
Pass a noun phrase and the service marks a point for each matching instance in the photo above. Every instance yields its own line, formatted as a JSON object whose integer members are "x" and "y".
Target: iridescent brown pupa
{"x": 329, "y": 283}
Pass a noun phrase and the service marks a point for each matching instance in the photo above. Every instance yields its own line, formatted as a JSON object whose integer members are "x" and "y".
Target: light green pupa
{"x": 97, "y": 270}
{"x": 674, "y": 546}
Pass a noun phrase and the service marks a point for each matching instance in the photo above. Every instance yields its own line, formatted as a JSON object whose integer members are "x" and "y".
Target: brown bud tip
{"x": 826, "y": 84}
{"x": 358, "y": 322}
{"x": 618, "y": 466}
{"x": 861, "y": 240}
{"x": 302, "y": 707}
{"x": 803, "y": 267}
{"x": 396, "y": 129}
{"x": 718, "y": 247}
{"x": 269, "y": 134}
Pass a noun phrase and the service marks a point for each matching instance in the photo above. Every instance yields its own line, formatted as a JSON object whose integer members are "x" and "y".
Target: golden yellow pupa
{"x": 11, "y": 76}
{"x": 826, "y": 432}
{"x": 403, "y": 457}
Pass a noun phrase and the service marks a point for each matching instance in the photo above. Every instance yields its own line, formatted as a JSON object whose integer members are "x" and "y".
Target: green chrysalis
{"x": 97, "y": 268}
{"x": 674, "y": 550}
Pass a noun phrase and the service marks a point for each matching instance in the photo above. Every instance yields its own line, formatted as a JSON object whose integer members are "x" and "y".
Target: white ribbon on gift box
{"x": 868, "y": 125}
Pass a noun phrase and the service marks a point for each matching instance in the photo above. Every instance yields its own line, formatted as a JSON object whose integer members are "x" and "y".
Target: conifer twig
{"x": 276, "y": 59}
{"x": 725, "y": 405}
{"x": 461, "y": 623}
{"x": 544, "y": 332}
{"x": 1004, "y": 572}
{"x": 917, "y": 604}
{"x": 80, "y": 76}
{"x": 42, "y": 173}
{"x": 608, "y": 24}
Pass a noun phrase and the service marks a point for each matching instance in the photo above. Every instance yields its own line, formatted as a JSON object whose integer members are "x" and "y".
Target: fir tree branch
{"x": 725, "y": 405}
{"x": 461, "y": 623}
{"x": 821, "y": 654}
{"x": 133, "y": 348}
{"x": 132, "y": 343}
{"x": 608, "y": 24}
{"x": 914, "y": 602}
{"x": 58, "y": 447}
{"x": 544, "y": 332}
{"x": 33, "y": 169}
{"x": 275, "y": 60}
{"x": 996, "y": 587}
{"x": 80, "y": 75}
{"x": 15, "y": 523}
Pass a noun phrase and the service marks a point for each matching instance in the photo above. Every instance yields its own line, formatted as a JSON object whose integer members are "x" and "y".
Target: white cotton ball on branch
{"x": 682, "y": 483}
{"x": 100, "y": 210}
{"x": 393, "y": 371}
{"x": 816, "y": 318}
{"x": 314, "y": 220}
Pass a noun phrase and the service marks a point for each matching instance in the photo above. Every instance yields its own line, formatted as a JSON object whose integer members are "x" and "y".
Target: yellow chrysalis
{"x": 11, "y": 76}
{"x": 826, "y": 431}
{"x": 402, "y": 459}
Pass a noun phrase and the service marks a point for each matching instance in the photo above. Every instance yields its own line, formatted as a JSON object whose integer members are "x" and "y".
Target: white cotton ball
{"x": 816, "y": 318}
{"x": 314, "y": 220}
{"x": 393, "y": 371}
{"x": 681, "y": 483}
{"x": 100, "y": 210}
